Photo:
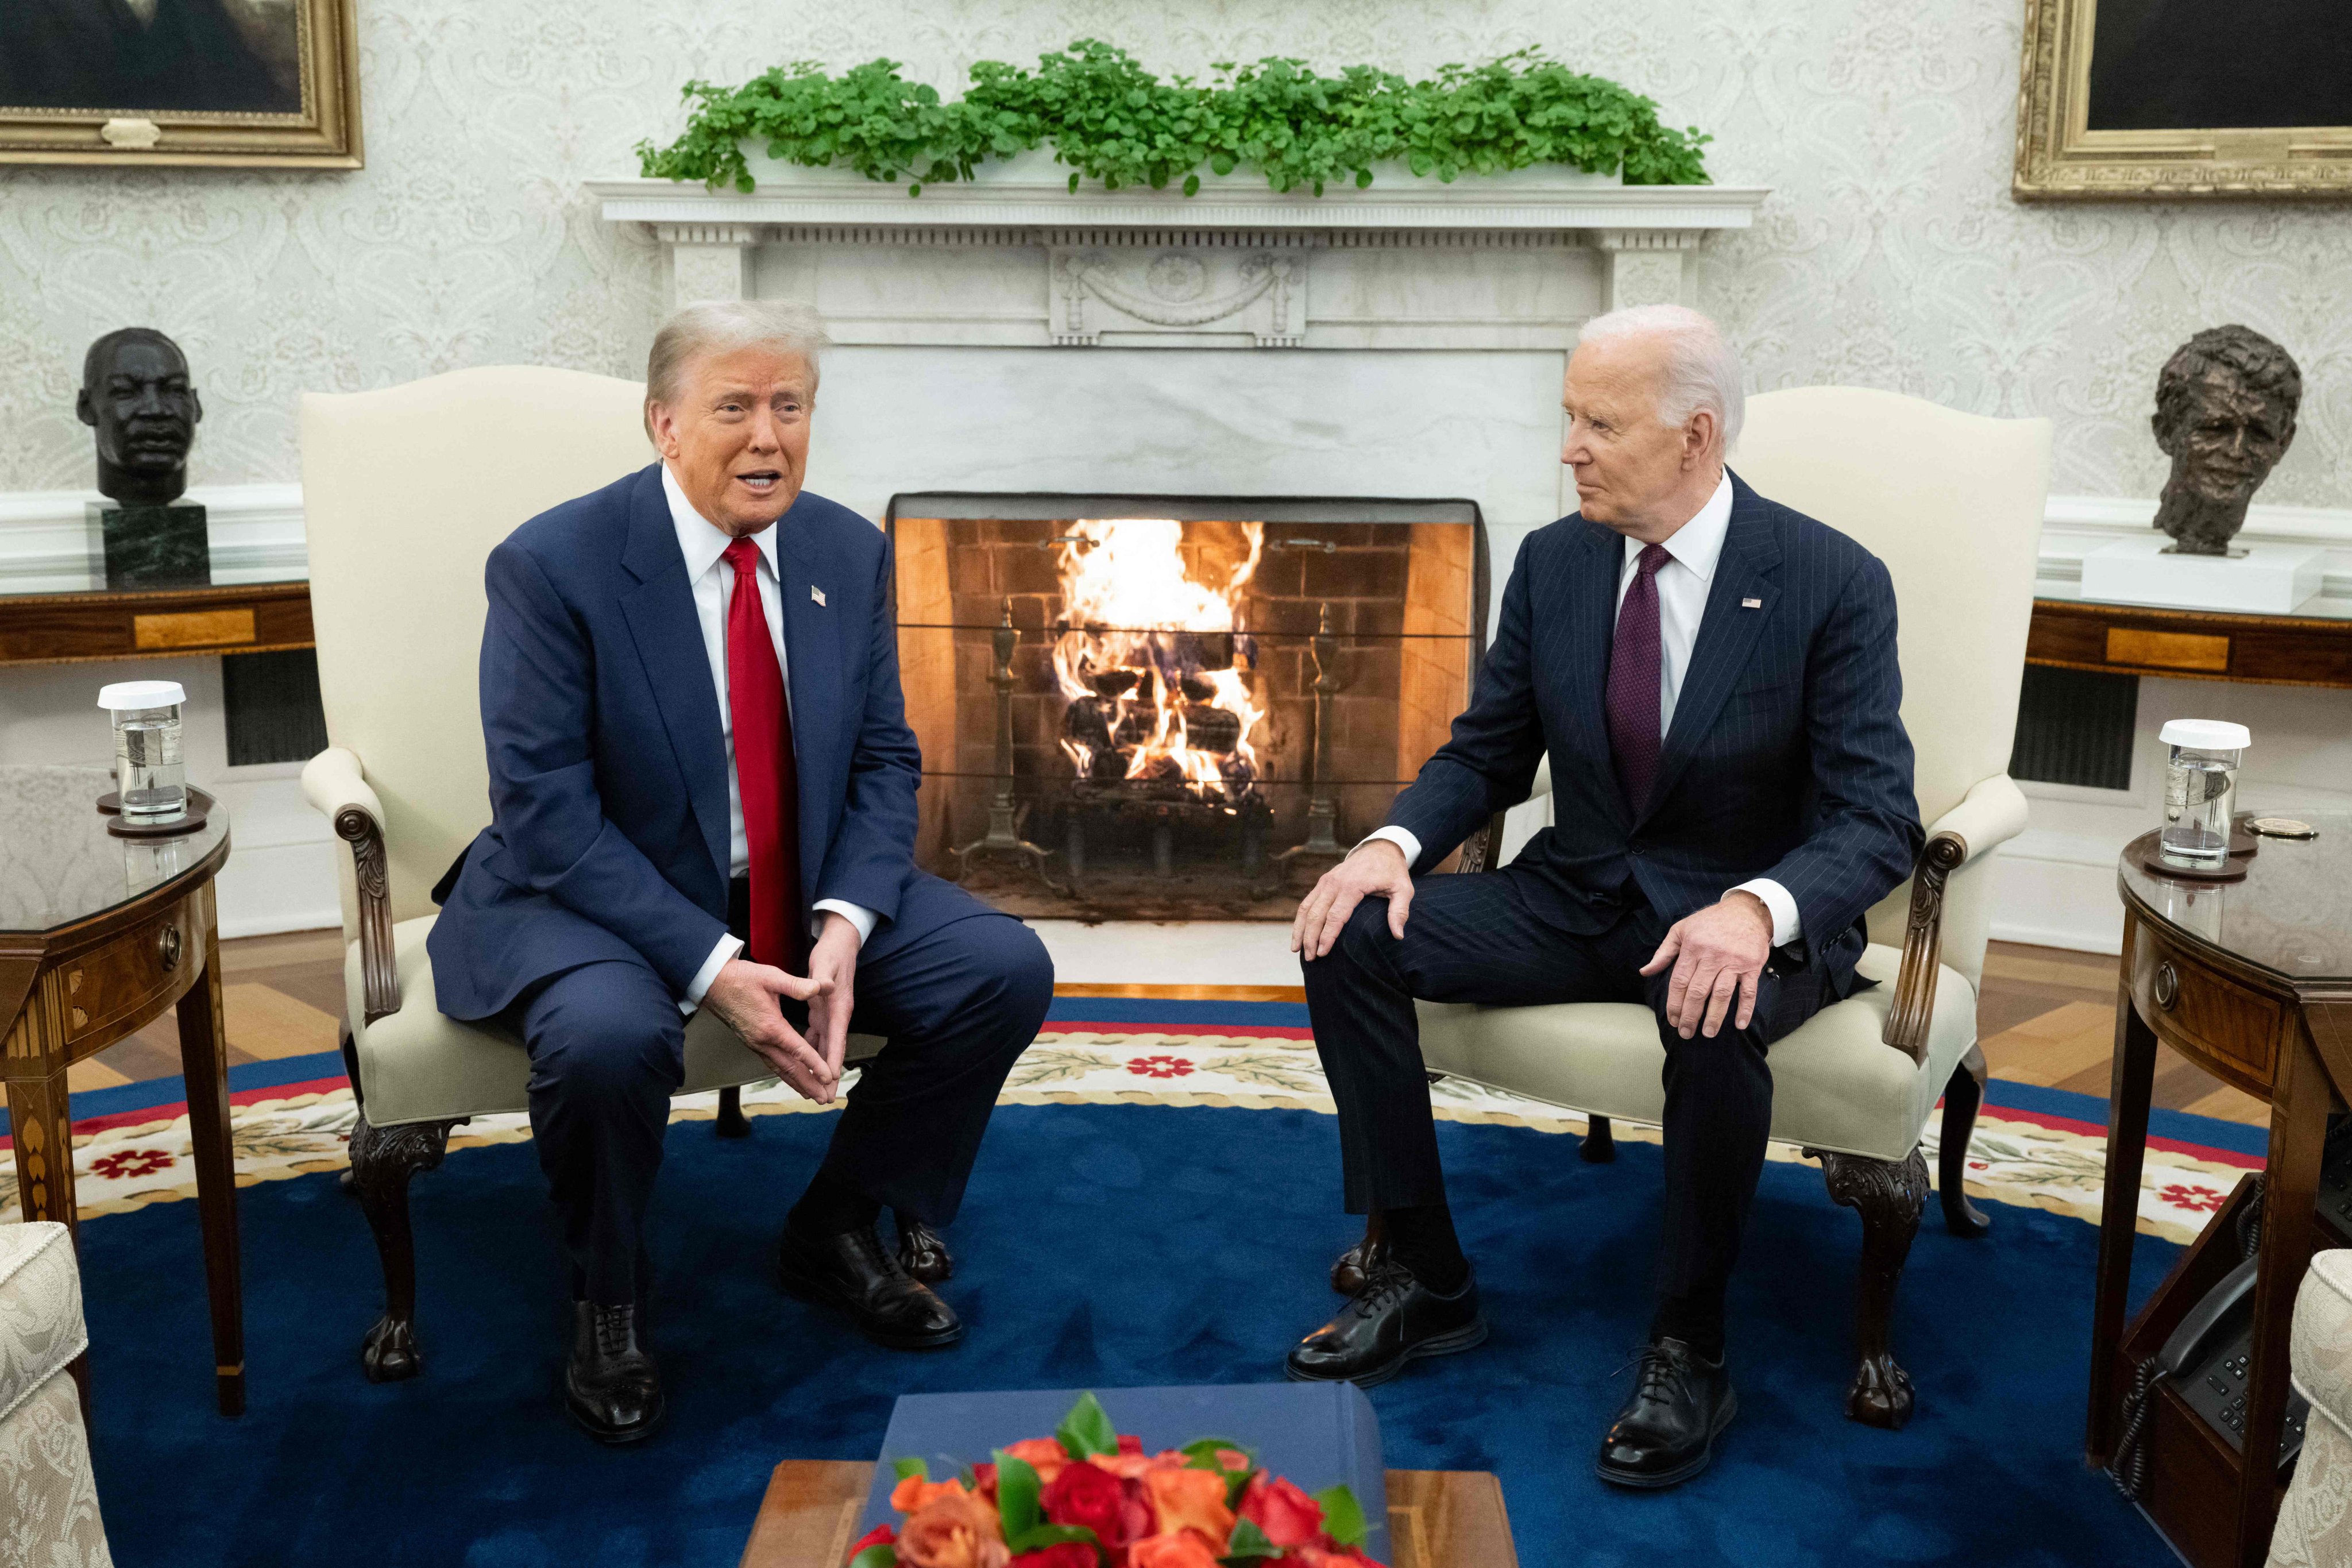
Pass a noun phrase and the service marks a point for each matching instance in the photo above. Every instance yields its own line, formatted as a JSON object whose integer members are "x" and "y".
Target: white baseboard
{"x": 2056, "y": 895}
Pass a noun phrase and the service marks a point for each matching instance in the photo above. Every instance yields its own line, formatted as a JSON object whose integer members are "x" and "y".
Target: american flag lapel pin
{"x": 1743, "y": 604}
{"x": 817, "y": 594}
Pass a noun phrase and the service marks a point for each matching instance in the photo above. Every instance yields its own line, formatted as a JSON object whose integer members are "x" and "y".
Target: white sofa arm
{"x": 336, "y": 783}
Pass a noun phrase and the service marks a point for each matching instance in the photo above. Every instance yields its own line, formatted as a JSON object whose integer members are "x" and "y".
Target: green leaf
{"x": 1086, "y": 1430}
{"x": 1192, "y": 185}
{"x": 1017, "y": 1492}
{"x": 1248, "y": 1545}
{"x": 1207, "y": 1449}
{"x": 1343, "y": 1516}
{"x": 1038, "y": 1537}
{"x": 875, "y": 1557}
{"x": 911, "y": 1467}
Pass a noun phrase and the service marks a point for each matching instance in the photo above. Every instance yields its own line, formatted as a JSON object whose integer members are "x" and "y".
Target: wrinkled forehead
{"x": 759, "y": 368}
{"x": 2218, "y": 392}
{"x": 139, "y": 360}
{"x": 1623, "y": 372}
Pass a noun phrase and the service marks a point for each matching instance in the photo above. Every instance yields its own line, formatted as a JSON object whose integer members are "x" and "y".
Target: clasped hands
{"x": 1718, "y": 952}
{"x": 749, "y": 998}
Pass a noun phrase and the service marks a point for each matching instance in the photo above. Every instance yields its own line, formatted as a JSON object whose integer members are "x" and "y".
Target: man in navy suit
{"x": 1714, "y": 679}
{"x": 702, "y": 788}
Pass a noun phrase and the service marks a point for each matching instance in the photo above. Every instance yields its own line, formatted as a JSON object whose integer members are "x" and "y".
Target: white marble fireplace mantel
{"x": 1016, "y": 259}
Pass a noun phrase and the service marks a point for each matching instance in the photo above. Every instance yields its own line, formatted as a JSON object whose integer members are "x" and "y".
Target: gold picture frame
{"x": 229, "y": 83}
{"x": 2059, "y": 156}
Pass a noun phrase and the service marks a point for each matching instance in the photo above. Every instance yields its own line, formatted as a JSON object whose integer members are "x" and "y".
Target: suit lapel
{"x": 813, "y": 667}
{"x": 669, "y": 634}
{"x": 1727, "y": 630}
{"x": 1592, "y": 632}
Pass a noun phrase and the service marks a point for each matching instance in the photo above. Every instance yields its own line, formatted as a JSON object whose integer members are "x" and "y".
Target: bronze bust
{"x": 2225, "y": 407}
{"x": 135, "y": 393}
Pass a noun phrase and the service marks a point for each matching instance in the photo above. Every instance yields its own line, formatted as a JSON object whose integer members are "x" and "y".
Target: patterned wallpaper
{"x": 1892, "y": 255}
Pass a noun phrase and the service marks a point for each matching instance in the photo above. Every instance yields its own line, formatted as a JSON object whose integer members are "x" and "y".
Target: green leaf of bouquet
{"x": 875, "y": 1557}
{"x": 1017, "y": 1491}
{"x": 911, "y": 1467}
{"x": 1207, "y": 1447}
{"x": 1248, "y": 1543}
{"x": 1086, "y": 1430}
{"x": 1343, "y": 1516}
{"x": 1236, "y": 1483}
{"x": 1038, "y": 1537}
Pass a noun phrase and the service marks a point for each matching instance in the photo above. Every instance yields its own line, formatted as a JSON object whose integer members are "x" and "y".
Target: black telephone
{"x": 2210, "y": 1357}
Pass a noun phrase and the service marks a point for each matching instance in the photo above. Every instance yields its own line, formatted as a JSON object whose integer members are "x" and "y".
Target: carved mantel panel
{"x": 1017, "y": 259}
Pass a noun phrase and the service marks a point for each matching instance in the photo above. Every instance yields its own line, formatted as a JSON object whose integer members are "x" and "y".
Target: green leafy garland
{"x": 1112, "y": 120}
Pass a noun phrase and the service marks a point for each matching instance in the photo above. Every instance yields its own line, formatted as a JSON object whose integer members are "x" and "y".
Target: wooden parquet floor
{"x": 2046, "y": 1016}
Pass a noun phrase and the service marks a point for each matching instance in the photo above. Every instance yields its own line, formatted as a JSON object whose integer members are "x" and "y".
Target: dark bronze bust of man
{"x": 135, "y": 393}
{"x": 2225, "y": 407}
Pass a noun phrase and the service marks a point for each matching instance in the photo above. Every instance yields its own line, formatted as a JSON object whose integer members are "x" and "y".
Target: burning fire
{"x": 1153, "y": 663}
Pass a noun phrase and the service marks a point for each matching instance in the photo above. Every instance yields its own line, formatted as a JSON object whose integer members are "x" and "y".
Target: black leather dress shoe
{"x": 1666, "y": 1432}
{"x": 853, "y": 1274}
{"x": 1392, "y": 1319}
{"x": 611, "y": 1386}
{"x": 922, "y": 1253}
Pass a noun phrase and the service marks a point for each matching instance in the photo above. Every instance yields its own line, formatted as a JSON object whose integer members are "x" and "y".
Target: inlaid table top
{"x": 2292, "y": 915}
{"x": 58, "y": 865}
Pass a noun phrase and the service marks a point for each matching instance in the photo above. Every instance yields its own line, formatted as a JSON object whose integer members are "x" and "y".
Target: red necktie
{"x": 1635, "y": 665}
{"x": 764, "y": 772}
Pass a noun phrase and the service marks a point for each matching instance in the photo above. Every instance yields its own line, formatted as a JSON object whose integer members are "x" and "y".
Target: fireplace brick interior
{"x": 1396, "y": 592}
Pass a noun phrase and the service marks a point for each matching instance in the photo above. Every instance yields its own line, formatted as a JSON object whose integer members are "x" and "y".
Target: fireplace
{"x": 1163, "y": 707}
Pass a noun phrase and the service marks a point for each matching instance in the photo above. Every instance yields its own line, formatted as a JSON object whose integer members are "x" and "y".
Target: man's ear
{"x": 2157, "y": 427}
{"x": 83, "y": 411}
{"x": 2287, "y": 440}
{"x": 662, "y": 428}
{"x": 195, "y": 407}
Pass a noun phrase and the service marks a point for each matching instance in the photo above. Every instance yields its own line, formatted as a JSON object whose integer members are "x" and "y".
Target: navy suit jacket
{"x": 609, "y": 833}
{"x": 1786, "y": 757}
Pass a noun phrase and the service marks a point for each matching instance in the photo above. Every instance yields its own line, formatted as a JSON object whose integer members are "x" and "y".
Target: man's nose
{"x": 767, "y": 434}
{"x": 149, "y": 403}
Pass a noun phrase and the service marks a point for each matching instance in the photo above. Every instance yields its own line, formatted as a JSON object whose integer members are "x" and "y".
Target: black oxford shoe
{"x": 852, "y": 1274}
{"x": 1392, "y": 1319}
{"x": 611, "y": 1387}
{"x": 1666, "y": 1432}
{"x": 922, "y": 1253}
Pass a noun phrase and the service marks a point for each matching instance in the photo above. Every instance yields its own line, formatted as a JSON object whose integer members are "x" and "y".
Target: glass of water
{"x": 147, "y": 772}
{"x": 2200, "y": 790}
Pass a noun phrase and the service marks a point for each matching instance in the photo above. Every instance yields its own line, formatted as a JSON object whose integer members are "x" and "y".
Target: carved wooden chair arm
{"x": 1992, "y": 813}
{"x": 335, "y": 784}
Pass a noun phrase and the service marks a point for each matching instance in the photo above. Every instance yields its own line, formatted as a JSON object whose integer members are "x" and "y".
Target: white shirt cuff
{"x": 1786, "y": 927}
{"x": 728, "y": 947}
{"x": 859, "y": 915}
{"x": 1398, "y": 836}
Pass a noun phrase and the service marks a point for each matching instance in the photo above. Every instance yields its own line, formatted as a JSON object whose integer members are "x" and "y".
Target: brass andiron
{"x": 1004, "y": 814}
{"x": 1322, "y": 811}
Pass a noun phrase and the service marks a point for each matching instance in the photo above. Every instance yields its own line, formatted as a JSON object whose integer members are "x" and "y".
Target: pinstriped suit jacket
{"x": 1786, "y": 757}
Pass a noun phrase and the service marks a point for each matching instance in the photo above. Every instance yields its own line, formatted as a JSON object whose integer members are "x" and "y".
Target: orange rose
{"x": 914, "y": 1493}
{"x": 1190, "y": 1500}
{"x": 1046, "y": 1456}
{"x": 1183, "y": 1550}
{"x": 1126, "y": 1467}
{"x": 953, "y": 1530}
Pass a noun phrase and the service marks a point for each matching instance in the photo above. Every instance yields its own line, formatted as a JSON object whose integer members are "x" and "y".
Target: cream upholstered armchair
{"x": 48, "y": 1497}
{"x": 406, "y": 492}
{"x": 1952, "y": 503}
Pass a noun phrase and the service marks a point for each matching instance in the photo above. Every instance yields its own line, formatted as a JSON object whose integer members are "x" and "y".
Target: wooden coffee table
{"x": 1437, "y": 1519}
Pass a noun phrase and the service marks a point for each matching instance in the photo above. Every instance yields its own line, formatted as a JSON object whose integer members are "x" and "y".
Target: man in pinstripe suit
{"x": 1714, "y": 679}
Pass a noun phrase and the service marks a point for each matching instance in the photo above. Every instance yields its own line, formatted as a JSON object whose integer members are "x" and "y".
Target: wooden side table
{"x": 1437, "y": 1519}
{"x": 2253, "y": 981}
{"x": 98, "y": 936}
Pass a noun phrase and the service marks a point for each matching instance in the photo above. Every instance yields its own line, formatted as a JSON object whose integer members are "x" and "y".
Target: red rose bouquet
{"x": 1089, "y": 1496}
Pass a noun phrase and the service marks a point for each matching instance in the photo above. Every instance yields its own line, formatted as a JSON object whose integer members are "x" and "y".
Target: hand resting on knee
{"x": 1718, "y": 955}
{"x": 1374, "y": 869}
{"x": 745, "y": 996}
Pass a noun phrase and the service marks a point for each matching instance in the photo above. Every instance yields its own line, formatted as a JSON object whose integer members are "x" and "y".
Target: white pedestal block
{"x": 2268, "y": 579}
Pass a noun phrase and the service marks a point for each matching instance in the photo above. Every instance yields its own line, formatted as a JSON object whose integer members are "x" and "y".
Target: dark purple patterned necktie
{"x": 1635, "y": 674}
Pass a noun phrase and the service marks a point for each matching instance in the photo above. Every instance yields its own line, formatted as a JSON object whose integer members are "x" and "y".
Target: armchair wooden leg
{"x": 383, "y": 1161}
{"x": 730, "y": 1121}
{"x": 1962, "y": 1097}
{"x": 1354, "y": 1267}
{"x": 922, "y": 1252}
{"x": 1890, "y": 1197}
{"x": 351, "y": 1073}
{"x": 1600, "y": 1146}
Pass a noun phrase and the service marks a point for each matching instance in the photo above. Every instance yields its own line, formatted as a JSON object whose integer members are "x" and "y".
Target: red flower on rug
{"x": 2203, "y": 1199}
{"x": 126, "y": 1163}
{"x": 1159, "y": 1067}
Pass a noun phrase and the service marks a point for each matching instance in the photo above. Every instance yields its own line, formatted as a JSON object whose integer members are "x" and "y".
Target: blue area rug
{"x": 1102, "y": 1246}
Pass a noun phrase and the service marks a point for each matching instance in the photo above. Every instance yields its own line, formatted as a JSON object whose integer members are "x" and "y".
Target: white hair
{"x": 723, "y": 326}
{"x": 1701, "y": 370}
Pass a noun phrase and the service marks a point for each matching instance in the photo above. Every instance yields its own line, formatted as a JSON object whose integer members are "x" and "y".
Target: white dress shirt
{"x": 1683, "y": 585}
{"x": 703, "y": 542}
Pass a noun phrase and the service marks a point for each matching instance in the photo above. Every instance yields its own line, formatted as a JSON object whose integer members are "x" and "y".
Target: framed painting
{"x": 272, "y": 83}
{"x": 2185, "y": 98}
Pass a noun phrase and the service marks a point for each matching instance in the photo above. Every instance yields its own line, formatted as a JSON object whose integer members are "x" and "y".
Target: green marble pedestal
{"x": 150, "y": 546}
